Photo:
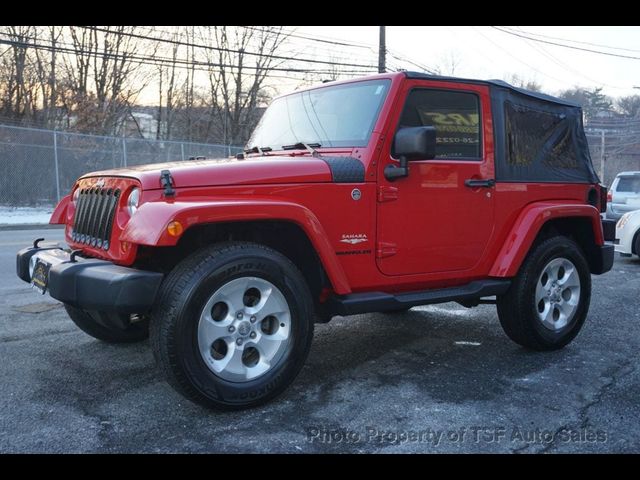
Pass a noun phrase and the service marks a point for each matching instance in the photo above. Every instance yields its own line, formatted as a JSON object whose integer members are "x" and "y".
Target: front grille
{"x": 93, "y": 221}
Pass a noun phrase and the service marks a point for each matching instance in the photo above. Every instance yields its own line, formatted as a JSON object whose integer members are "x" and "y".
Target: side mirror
{"x": 411, "y": 143}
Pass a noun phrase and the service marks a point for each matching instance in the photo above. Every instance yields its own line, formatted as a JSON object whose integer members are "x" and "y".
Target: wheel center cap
{"x": 244, "y": 328}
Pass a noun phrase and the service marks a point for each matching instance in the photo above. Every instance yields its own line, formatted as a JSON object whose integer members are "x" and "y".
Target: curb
{"x": 29, "y": 226}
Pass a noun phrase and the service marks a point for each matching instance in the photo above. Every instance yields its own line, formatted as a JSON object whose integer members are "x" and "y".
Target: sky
{"x": 485, "y": 52}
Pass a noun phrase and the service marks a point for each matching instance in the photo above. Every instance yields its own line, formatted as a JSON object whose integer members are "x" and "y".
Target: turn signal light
{"x": 175, "y": 229}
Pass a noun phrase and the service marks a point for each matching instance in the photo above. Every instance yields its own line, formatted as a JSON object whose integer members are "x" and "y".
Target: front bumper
{"x": 92, "y": 284}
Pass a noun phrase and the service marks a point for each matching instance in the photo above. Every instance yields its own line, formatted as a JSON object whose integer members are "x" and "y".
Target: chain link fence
{"x": 38, "y": 167}
{"x": 613, "y": 152}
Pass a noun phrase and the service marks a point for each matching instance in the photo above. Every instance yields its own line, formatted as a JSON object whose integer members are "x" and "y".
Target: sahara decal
{"x": 354, "y": 238}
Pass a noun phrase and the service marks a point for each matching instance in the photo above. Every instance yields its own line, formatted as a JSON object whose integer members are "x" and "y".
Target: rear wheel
{"x": 136, "y": 331}
{"x": 233, "y": 325}
{"x": 548, "y": 302}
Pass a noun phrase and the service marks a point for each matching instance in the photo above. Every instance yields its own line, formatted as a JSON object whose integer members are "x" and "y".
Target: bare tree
{"x": 240, "y": 77}
{"x": 629, "y": 106}
{"x": 522, "y": 82}
{"x": 103, "y": 77}
{"x": 212, "y": 82}
{"x": 448, "y": 63}
{"x": 19, "y": 99}
{"x": 45, "y": 65}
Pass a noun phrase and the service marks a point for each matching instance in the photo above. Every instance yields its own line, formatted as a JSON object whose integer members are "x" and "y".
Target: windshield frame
{"x": 375, "y": 118}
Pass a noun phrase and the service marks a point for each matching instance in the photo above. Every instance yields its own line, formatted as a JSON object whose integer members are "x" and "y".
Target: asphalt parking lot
{"x": 436, "y": 379}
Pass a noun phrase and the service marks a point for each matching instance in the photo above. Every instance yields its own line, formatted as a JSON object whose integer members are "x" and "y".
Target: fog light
{"x": 175, "y": 229}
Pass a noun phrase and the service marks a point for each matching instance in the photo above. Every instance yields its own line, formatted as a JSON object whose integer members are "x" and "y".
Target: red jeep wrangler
{"x": 370, "y": 195}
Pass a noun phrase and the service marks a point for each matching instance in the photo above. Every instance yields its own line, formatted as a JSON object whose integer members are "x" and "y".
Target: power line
{"x": 294, "y": 49}
{"x": 291, "y": 54}
{"x": 555, "y": 60}
{"x": 373, "y": 49}
{"x": 519, "y": 60}
{"x": 410, "y": 62}
{"x": 575, "y": 41}
{"x": 228, "y": 50}
{"x": 319, "y": 40}
{"x": 582, "y": 49}
{"x": 163, "y": 61}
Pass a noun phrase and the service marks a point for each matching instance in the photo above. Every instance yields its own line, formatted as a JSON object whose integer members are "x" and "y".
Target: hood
{"x": 220, "y": 172}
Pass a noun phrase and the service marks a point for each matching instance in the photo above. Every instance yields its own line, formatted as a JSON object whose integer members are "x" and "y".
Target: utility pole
{"x": 382, "y": 51}
{"x": 602, "y": 157}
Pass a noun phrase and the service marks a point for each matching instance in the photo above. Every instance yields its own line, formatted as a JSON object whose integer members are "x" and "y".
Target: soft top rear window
{"x": 539, "y": 140}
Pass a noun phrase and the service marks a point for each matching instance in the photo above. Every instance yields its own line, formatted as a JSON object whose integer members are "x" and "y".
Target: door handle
{"x": 478, "y": 183}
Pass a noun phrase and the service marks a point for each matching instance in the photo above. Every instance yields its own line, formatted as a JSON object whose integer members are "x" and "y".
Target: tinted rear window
{"x": 535, "y": 134}
{"x": 628, "y": 185}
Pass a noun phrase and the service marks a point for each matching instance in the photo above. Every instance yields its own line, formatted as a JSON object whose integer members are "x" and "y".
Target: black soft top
{"x": 537, "y": 137}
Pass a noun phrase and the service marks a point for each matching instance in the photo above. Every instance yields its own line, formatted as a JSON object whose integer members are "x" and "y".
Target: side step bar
{"x": 356, "y": 303}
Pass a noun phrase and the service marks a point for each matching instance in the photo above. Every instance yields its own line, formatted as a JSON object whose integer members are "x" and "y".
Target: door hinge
{"x": 386, "y": 249}
{"x": 387, "y": 193}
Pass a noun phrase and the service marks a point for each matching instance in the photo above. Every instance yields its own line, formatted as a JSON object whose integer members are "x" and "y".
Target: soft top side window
{"x": 455, "y": 116}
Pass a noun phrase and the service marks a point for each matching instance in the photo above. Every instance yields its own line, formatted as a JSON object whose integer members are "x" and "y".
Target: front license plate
{"x": 41, "y": 275}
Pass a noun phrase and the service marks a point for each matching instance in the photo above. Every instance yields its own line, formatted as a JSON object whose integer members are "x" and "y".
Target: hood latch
{"x": 167, "y": 183}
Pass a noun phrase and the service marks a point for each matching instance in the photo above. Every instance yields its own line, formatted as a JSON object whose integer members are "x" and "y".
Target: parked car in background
{"x": 624, "y": 195}
{"x": 628, "y": 234}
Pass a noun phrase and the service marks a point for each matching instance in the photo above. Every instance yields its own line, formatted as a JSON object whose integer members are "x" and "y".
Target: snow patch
{"x": 24, "y": 215}
{"x": 464, "y": 342}
{"x": 462, "y": 312}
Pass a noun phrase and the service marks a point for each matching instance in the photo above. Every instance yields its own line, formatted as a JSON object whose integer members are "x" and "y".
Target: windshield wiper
{"x": 257, "y": 149}
{"x": 300, "y": 145}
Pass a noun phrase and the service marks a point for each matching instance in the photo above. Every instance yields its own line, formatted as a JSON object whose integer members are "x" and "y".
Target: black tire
{"x": 636, "y": 245}
{"x": 175, "y": 317}
{"x": 136, "y": 332}
{"x": 517, "y": 307}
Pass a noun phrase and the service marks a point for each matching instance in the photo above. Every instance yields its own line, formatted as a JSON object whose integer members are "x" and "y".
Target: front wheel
{"x": 548, "y": 301}
{"x": 233, "y": 325}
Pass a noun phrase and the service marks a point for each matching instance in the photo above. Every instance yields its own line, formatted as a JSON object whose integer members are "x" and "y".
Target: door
{"x": 432, "y": 221}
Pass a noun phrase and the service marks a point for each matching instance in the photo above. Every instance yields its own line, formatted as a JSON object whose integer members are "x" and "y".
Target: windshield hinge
{"x": 166, "y": 181}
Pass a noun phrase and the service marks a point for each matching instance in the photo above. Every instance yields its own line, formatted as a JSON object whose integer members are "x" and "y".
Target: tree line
{"x": 592, "y": 100}
{"x": 200, "y": 83}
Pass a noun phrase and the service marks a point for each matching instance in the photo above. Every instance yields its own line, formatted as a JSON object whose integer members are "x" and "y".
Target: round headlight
{"x": 76, "y": 194}
{"x": 133, "y": 201}
{"x": 32, "y": 265}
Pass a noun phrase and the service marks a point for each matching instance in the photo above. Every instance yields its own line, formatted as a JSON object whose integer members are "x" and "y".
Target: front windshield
{"x": 334, "y": 116}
